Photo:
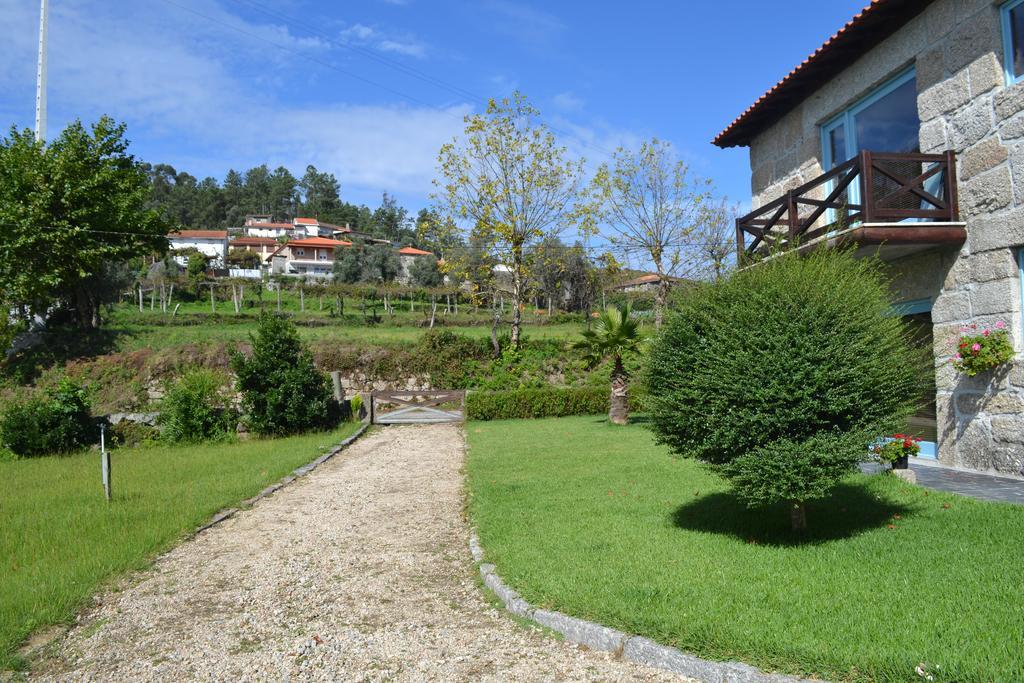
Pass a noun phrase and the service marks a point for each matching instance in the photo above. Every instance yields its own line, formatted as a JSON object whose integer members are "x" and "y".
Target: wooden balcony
{"x": 891, "y": 204}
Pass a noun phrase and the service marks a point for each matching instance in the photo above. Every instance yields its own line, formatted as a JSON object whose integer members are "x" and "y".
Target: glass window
{"x": 1013, "y": 40}
{"x": 884, "y": 121}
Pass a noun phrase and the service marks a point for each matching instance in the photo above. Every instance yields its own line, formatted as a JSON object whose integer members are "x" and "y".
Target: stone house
{"x": 903, "y": 136}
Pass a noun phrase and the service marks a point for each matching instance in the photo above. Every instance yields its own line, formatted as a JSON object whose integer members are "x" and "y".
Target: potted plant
{"x": 981, "y": 350}
{"x": 897, "y": 450}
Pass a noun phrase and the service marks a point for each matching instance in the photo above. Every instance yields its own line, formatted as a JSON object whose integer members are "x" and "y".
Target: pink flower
{"x": 986, "y": 333}
{"x": 1000, "y": 325}
{"x": 965, "y": 330}
{"x": 976, "y": 347}
{"x": 958, "y": 357}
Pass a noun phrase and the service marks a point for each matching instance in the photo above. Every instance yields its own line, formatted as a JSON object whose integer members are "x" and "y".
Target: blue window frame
{"x": 1013, "y": 40}
{"x": 889, "y": 126}
{"x": 885, "y": 120}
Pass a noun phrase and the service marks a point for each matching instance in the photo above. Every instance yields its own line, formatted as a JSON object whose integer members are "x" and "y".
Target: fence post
{"x": 105, "y": 461}
{"x": 372, "y": 408}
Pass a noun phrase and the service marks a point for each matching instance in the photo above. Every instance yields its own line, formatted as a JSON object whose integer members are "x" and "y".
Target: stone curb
{"x": 633, "y": 648}
{"x": 299, "y": 472}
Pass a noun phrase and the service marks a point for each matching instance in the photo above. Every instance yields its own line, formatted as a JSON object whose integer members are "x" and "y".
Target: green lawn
{"x": 601, "y": 523}
{"x": 59, "y": 540}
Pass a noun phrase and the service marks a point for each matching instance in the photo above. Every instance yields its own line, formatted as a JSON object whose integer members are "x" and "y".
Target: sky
{"x": 370, "y": 89}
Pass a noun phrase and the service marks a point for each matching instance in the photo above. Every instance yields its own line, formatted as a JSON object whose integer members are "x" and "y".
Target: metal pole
{"x": 105, "y": 461}
{"x": 41, "y": 75}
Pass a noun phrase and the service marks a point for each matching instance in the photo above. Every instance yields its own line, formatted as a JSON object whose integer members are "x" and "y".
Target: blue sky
{"x": 369, "y": 90}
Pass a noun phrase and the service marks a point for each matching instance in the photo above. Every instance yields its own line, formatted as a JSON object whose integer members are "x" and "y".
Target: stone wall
{"x": 964, "y": 105}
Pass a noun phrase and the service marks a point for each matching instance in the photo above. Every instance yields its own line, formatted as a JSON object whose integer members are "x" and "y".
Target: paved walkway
{"x": 359, "y": 571}
{"x": 975, "y": 485}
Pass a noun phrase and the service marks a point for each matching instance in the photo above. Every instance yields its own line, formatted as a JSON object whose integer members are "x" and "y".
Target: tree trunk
{"x": 494, "y": 333}
{"x": 798, "y": 516}
{"x": 140, "y": 299}
{"x": 661, "y": 294}
{"x": 433, "y": 310}
{"x": 618, "y": 411}
{"x": 170, "y": 296}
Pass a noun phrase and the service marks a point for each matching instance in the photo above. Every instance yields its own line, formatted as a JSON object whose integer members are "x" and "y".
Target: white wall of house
{"x": 214, "y": 249}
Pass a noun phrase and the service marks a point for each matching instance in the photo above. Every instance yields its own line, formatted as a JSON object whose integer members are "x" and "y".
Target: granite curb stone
{"x": 633, "y": 648}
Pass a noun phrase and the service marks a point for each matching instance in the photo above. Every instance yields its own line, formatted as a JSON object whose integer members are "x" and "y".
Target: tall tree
{"x": 509, "y": 179}
{"x": 283, "y": 193}
{"x": 432, "y": 237}
{"x": 256, "y": 190}
{"x": 319, "y": 193}
{"x": 715, "y": 241}
{"x": 391, "y": 221}
{"x": 234, "y": 198}
{"x": 652, "y": 206}
{"x": 68, "y": 211}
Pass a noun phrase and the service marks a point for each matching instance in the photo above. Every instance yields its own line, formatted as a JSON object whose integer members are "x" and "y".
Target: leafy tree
{"x": 424, "y": 272}
{"x": 652, "y": 205}
{"x": 195, "y": 271}
{"x": 282, "y": 390}
{"x": 511, "y": 182}
{"x": 242, "y": 258}
{"x": 364, "y": 262}
{"x": 348, "y": 265}
{"x": 779, "y": 376}
{"x": 715, "y": 241}
{"x": 431, "y": 236}
{"x": 66, "y": 210}
{"x": 256, "y": 190}
{"x": 615, "y": 334}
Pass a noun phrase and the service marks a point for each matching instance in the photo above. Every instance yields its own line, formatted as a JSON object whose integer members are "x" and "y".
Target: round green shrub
{"x": 282, "y": 390}
{"x": 782, "y": 374}
{"x": 58, "y": 422}
{"x": 196, "y": 409}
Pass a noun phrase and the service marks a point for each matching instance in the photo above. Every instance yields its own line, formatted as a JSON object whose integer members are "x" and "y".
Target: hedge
{"x": 548, "y": 402}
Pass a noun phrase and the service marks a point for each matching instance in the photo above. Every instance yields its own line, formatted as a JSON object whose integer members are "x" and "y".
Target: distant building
{"x": 211, "y": 243}
{"x": 407, "y": 256}
{"x": 306, "y": 256}
{"x": 645, "y": 283}
{"x": 263, "y": 247}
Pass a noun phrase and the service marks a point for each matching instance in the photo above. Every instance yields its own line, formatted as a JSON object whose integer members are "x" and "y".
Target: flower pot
{"x": 901, "y": 463}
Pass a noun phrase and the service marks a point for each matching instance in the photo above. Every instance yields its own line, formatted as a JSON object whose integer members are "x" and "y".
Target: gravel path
{"x": 359, "y": 571}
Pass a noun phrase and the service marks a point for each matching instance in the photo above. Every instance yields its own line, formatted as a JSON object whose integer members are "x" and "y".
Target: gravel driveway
{"x": 359, "y": 571}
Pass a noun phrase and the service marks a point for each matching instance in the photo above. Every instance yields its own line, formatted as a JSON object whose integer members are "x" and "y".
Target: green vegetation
{"x": 540, "y": 402}
{"x": 196, "y": 408}
{"x": 781, "y": 375}
{"x": 57, "y": 422}
{"x": 282, "y": 391}
{"x": 600, "y": 522}
{"x": 615, "y": 336}
{"x": 59, "y": 540}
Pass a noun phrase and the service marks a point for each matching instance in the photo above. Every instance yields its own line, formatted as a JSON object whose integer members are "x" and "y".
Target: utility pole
{"x": 41, "y": 75}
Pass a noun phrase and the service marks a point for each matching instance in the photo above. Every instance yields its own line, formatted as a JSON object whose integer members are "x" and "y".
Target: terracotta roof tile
{"x": 872, "y": 25}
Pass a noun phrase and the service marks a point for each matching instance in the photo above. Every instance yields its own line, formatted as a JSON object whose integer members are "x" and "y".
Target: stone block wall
{"x": 965, "y": 106}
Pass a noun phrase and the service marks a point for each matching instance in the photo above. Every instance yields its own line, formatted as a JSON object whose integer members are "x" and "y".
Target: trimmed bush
{"x": 58, "y": 422}
{"x": 282, "y": 391}
{"x": 195, "y": 408}
{"x": 537, "y": 403}
{"x": 783, "y": 374}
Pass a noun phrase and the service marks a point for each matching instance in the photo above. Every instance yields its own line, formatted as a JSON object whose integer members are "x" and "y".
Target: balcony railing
{"x": 912, "y": 192}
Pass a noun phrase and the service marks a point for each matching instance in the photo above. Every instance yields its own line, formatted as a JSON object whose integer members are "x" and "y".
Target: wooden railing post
{"x": 867, "y": 198}
{"x": 952, "y": 199}
{"x": 741, "y": 245}
{"x": 793, "y": 214}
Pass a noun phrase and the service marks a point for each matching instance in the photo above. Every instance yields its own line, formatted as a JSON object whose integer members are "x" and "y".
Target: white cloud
{"x": 363, "y": 35}
{"x": 201, "y": 90}
{"x": 567, "y": 101}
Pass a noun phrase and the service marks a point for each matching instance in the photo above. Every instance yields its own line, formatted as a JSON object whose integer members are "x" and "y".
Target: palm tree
{"x": 614, "y": 335}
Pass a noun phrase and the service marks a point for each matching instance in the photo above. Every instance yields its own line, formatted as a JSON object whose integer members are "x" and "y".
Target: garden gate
{"x": 417, "y": 407}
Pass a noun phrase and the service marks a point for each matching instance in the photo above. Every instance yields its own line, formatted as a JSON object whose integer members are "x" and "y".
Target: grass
{"x": 601, "y": 523}
{"x": 60, "y": 541}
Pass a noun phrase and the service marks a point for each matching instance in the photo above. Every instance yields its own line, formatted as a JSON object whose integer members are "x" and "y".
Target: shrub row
{"x": 538, "y": 403}
{"x": 57, "y": 422}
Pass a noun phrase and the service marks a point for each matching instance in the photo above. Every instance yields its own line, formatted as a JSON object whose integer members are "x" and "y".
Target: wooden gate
{"x": 416, "y": 407}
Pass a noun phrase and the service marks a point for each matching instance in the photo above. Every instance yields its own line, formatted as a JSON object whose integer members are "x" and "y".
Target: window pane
{"x": 1016, "y": 35}
{"x": 890, "y": 124}
{"x": 837, "y": 145}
